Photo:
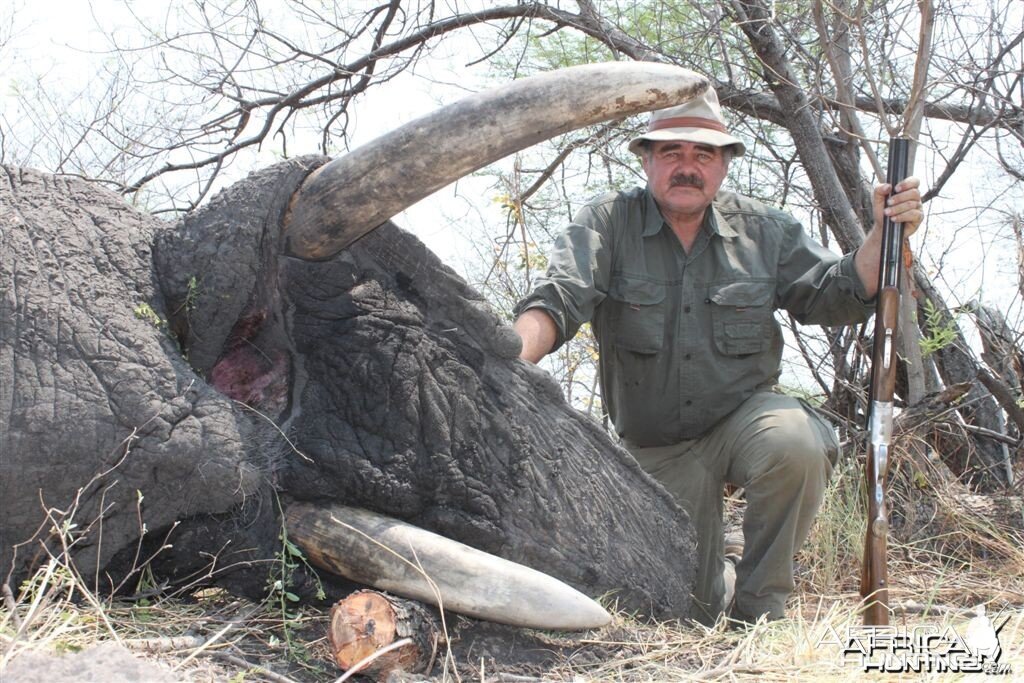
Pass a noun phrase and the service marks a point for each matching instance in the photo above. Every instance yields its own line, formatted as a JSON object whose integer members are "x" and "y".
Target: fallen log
{"x": 400, "y": 558}
{"x": 368, "y": 623}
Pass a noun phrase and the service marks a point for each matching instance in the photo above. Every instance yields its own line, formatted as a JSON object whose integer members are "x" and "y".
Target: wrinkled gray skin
{"x": 377, "y": 378}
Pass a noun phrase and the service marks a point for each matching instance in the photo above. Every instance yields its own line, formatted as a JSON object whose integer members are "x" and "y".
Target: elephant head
{"x": 166, "y": 389}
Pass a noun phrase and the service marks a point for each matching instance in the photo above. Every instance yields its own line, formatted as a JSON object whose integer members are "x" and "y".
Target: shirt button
{"x": 686, "y": 357}
{"x": 686, "y": 309}
{"x": 689, "y": 402}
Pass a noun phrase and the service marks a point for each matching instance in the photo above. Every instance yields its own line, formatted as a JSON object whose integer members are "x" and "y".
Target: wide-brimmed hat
{"x": 698, "y": 120}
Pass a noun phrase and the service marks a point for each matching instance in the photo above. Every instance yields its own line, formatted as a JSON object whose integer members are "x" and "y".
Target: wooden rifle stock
{"x": 874, "y": 578}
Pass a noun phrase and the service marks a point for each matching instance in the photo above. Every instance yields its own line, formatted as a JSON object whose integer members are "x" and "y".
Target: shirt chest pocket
{"x": 637, "y": 314}
{"x": 741, "y": 315}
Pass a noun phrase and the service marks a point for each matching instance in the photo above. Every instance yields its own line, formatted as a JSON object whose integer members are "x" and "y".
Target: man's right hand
{"x": 537, "y": 330}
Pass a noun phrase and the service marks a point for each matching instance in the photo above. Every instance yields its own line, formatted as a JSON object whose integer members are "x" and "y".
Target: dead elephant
{"x": 169, "y": 387}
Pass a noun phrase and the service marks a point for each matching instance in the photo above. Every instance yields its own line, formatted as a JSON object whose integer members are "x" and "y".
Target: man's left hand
{"x": 902, "y": 207}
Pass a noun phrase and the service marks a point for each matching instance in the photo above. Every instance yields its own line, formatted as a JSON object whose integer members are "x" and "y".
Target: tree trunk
{"x": 1001, "y": 348}
{"x": 367, "y": 622}
{"x": 983, "y": 463}
{"x": 803, "y": 125}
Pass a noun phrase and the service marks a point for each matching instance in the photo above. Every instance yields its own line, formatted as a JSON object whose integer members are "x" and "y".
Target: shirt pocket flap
{"x": 741, "y": 294}
{"x": 742, "y": 316}
{"x": 636, "y": 291}
{"x": 637, "y": 316}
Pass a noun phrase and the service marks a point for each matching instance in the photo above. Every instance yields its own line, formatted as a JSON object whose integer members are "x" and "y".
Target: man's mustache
{"x": 684, "y": 180}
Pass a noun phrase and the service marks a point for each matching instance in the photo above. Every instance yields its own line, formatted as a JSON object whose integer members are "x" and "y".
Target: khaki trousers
{"x": 782, "y": 454}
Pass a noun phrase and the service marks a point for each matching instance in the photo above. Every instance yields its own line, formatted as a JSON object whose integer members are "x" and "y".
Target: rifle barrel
{"x": 892, "y": 232}
{"x": 874, "y": 585}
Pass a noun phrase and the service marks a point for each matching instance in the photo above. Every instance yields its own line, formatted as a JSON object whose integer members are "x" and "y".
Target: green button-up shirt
{"x": 684, "y": 338}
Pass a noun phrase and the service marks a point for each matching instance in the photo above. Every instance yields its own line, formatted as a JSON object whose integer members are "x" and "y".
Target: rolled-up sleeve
{"x": 817, "y": 286}
{"x": 576, "y": 278}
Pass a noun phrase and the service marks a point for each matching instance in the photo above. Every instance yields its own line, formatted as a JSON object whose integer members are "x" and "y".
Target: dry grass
{"x": 208, "y": 636}
{"x": 968, "y": 556}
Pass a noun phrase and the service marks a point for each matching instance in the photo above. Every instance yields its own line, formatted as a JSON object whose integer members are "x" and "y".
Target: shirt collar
{"x": 714, "y": 221}
{"x": 652, "y": 216}
{"x": 718, "y": 224}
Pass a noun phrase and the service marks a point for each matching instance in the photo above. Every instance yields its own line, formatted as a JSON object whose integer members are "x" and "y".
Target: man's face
{"x": 684, "y": 176}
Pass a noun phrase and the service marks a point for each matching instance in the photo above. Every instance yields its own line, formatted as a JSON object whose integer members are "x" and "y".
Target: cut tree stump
{"x": 367, "y": 622}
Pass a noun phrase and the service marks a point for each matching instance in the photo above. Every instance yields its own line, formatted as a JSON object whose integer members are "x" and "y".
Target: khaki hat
{"x": 698, "y": 120}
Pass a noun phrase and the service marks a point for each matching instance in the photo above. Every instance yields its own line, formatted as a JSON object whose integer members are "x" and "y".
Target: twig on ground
{"x": 730, "y": 669}
{"x": 361, "y": 664}
{"x": 12, "y": 608}
{"x": 243, "y": 616}
{"x": 239, "y": 661}
{"x": 166, "y": 644}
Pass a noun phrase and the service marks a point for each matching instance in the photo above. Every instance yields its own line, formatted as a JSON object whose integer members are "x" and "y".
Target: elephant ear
{"x": 217, "y": 268}
{"x": 99, "y": 411}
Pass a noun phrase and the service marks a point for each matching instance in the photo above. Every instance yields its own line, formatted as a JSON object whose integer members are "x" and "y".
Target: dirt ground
{"x": 54, "y": 630}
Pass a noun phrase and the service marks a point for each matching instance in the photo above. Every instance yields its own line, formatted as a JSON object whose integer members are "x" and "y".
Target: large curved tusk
{"x": 398, "y": 557}
{"x": 352, "y": 195}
